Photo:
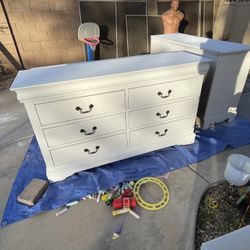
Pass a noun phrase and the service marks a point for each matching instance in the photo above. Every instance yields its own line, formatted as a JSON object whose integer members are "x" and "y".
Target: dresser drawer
{"x": 84, "y": 130}
{"x": 90, "y": 150}
{"x": 163, "y": 113}
{"x": 145, "y": 96}
{"x": 161, "y": 132}
{"x": 80, "y": 107}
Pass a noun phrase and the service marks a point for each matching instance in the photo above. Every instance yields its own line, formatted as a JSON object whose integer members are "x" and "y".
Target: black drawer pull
{"x": 163, "y": 116}
{"x": 159, "y": 134}
{"x": 164, "y": 96}
{"x": 93, "y": 152}
{"x": 91, "y": 106}
{"x": 90, "y": 133}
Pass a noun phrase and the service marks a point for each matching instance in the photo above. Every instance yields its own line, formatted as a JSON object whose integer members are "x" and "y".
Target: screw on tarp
{"x": 4, "y": 223}
{"x": 117, "y": 232}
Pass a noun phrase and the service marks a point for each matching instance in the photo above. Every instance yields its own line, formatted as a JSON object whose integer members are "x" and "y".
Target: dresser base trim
{"x": 61, "y": 172}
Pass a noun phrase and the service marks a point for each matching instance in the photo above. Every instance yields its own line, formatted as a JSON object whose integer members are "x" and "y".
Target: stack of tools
{"x": 125, "y": 196}
{"x": 120, "y": 197}
{"x": 128, "y": 202}
{"x": 122, "y": 190}
{"x": 125, "y": 201}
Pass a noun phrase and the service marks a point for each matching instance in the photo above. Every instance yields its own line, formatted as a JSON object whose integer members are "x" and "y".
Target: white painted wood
{"x": 34, "y": 120}
{"x": 238, "y": 239}
{"x": 42, "y": 76}
{"x": 225, "y": 81}
{"x": 161, "y": 132}
{"x": 60, "y": 135}
{"x": 62, "y": 171}
{"x": 107, "y": 146}
{"x": 123, "y": 94}
{"x": 65, "y": 110}
{"x": 100, "y": 85}
{"x": 206, "y": 44}
{"x": 231, "y": 76}
{"x": 164, "y": 92}
{"x": 162, "y": 113}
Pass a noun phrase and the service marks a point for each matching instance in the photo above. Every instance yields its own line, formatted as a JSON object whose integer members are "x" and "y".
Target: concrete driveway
{"x": 90, "y": 225}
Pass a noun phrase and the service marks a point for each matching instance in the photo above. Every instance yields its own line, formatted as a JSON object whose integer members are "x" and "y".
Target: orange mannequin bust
{"x": 171, "y": 18}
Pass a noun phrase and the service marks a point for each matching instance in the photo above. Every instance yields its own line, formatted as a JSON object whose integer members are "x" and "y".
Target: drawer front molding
{"x": 81, "y": 107}
{"x": 90, "y": 150}
{"x": 161, "y": 132}
{"x": 162, "y": 113}
{"x": 84, "y": 130}
{"x": 164, "y": 92}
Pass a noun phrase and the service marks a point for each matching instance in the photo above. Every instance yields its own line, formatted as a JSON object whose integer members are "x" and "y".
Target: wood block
{"x": 33, "y": 192}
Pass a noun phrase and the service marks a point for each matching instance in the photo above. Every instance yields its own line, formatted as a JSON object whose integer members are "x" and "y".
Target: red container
{"x": 125, "y": 202}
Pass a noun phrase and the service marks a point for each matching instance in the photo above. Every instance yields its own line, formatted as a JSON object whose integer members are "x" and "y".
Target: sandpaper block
{"x": 33, "y": 192}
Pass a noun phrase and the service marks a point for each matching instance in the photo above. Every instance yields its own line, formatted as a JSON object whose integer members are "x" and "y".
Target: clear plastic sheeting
{"x": 207, "y": 143}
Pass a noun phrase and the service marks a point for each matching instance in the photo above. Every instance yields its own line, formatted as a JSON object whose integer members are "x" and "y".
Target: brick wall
{"x": 45, "y": 30}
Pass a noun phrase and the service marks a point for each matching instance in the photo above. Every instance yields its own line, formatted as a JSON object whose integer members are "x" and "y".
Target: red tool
{"x": 127, "y": 193}
{"x": 125, "y": 202}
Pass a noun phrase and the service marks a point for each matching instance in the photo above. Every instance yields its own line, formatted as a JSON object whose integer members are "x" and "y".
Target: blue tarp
{"x": 207, "y": 143}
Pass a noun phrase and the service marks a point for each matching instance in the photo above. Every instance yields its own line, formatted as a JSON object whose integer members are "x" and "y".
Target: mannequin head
{"x": 175, "y": 4}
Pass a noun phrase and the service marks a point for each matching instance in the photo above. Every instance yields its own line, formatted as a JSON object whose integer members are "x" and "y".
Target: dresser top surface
{"x": 216, "y": 46}
{"x": 78, "y": 71}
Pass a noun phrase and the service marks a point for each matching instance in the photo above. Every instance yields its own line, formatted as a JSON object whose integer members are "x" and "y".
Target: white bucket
{"x": 237, "y": 171}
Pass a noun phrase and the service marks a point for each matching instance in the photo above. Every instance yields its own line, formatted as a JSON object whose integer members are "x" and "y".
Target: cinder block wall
{"x": 45, "y": 30}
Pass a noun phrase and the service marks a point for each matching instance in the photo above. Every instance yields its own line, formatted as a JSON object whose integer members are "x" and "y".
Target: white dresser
{"x": 227, "y": 75}
{"x": 88, "y": 114}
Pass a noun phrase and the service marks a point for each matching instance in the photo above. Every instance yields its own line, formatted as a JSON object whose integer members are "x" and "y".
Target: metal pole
{"x": 12, "y": 34}
{"x": 199, "y": 19}
{"x": 116, "y": 31}
{"x": 89, "y": 52}
{"x": 204, "y": 19}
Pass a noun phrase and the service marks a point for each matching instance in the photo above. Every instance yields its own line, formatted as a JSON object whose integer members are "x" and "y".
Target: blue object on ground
{"x": 208, "y": 143}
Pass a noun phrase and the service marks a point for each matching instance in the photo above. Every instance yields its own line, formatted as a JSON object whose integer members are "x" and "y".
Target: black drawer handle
{"x": 164, "y": 96}
{"x": 163, "y": 116}
{"x": 93, "y": 152}
{"x": 90, "y": 133}
{"x": 91, "y": 106}
{"x": 159, "y": 134}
